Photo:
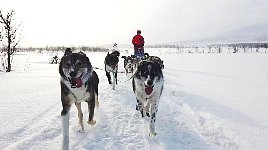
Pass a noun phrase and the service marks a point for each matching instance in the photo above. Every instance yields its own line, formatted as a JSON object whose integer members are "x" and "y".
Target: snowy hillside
{"x": 256, "y": 33}
{"x": 210, "y": 101}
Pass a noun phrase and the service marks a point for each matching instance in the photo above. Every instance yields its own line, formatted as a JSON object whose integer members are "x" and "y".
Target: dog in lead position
{"x": 79, "y": 82}
{"x": 111, "y": 66}
{"x": 148, "y": 84}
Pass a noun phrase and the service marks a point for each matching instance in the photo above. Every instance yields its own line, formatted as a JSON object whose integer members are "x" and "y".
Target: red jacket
{"x": 138, "y": 41}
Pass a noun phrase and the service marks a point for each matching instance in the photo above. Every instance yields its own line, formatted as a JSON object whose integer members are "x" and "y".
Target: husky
{"x": 79, "y": 82}
{"x": 128, "y": 64}
{"x": 111, "y": 65}
{"x": 148, "y": 84}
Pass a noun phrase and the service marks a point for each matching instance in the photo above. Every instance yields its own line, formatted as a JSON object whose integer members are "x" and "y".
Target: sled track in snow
{"x": 206, "y": 125}
{"x": 120, "y": 126}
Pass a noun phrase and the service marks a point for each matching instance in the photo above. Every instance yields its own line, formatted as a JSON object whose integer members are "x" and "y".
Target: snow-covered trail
{"x": 118, "y": 126}
{"x": 191, "y": 113}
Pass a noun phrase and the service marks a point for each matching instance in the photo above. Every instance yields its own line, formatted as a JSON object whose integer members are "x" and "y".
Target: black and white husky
{"x": 111, "y": 65}
{"x": 128, "y": 64}
{"x": 78, "y": 83}
{"x": 148, "y": 84}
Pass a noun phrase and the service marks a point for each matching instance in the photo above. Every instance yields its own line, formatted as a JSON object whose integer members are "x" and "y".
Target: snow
{"x": 210, "y": 101}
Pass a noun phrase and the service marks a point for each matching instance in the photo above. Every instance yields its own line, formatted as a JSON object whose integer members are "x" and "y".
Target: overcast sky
{"x": 95, "y": 22}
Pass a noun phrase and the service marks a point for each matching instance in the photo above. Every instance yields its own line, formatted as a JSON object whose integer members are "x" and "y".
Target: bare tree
{"x": 10, "y": 32}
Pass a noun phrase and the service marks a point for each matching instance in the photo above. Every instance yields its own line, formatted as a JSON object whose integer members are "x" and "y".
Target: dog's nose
{"x": 73, "y": 74}
{"x": 149, "y": 82}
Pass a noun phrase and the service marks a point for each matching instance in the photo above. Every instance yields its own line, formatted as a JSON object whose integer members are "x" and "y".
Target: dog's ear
{"x": 82, "y": 53}
{"x": 117, "y": 54}
{"x": 158, "y": 66}
{"x": 124, "y": 57}
{"x": 146, "y": 55}
{"x": 67, "y": 51}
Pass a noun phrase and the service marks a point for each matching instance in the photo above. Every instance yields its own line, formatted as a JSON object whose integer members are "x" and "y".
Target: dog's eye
{"x": 79, "y": 64}
{"x": 144, "y": 72}
{"x": 67, "y": 64}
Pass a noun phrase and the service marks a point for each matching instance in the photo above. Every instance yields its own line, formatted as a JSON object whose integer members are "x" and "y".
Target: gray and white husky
{"x": 148, "y": 84}
{"x": 78, "y": 83}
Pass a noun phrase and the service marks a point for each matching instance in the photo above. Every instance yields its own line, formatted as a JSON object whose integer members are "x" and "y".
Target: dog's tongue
{"x": 148, "y": 90}
{"x": 79, "y": 82}
{"x": 76, "y": 82}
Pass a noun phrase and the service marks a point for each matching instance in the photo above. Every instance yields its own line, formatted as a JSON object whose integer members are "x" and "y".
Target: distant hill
{"x": 257, "y": 33}
{"x": 253, "y": 33}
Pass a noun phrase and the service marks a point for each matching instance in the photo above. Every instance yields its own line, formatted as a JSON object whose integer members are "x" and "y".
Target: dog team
{"x": 79, "y": 83}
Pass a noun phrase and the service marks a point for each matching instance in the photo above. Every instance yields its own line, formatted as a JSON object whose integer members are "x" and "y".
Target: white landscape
{"x": 210, "y": 101}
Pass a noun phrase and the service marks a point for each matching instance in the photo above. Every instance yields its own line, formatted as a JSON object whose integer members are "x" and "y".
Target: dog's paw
{"x": 81, "y": 130}
{"x": 147, "y": 114}
{"x": 152, "y": 134}
{"x": 138, "y": 108}
{"x": 93, "y": 122}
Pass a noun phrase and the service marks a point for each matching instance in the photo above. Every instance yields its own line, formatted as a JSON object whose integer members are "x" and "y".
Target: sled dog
{"x": 111, "y": 66}
{"x": 128, "y": 64}
{"x": 79, "y": 82}
{"x": 148, "y": 84}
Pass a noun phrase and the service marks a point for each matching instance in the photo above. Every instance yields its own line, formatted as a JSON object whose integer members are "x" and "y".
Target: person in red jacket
{"x": 138, "y": 42}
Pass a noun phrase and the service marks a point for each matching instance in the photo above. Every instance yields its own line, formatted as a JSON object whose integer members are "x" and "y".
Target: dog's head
{"x": 112, "y": 59}
{"x": 75, "y": 68}
{"x": 149, "y": 73}
{"x": 128, "y": 61}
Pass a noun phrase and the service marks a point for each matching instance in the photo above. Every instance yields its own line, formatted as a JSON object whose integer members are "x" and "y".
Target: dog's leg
{"x": 97, "y": 100}
{"x": 108, "y": 77}
{"x": 153, "y": 115}
{"x": 141, "y": 108}
{"x": 96, "y": 95}
{"x": 114, "y": 80}
{"x": 80, "y": 115}
{"x": 91, "y": 107}
{"x": 65, "y": 115}
{"x": 147, "y": 109}
{"x": 139, "y": 105}
{"x": 115, "y": 75}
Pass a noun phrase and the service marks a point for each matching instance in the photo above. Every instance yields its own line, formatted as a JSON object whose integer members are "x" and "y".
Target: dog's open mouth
{"x": 76, "y": 82}
{"x": 149, "y": 89}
